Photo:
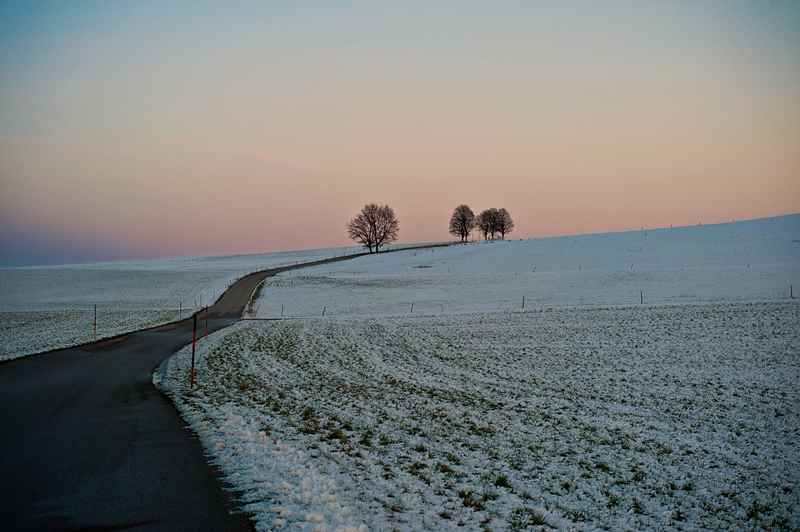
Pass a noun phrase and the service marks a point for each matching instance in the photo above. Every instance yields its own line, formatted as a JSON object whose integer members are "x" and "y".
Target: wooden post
{"x": 194, "y": 340}
{"x": 281, "y": 311}
{"x": 641, "y": 297}
{"x": 180, "y": 310}
{"x": 523, "y": 301}
{"x": 412, "y": 308}
{"x": 206, "y": 321}
{"x": 95, "y": 322}
{"x": 323, "y": 310}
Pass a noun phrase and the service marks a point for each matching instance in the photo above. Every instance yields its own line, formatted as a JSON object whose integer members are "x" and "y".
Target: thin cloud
{"x": 234, "y": 153}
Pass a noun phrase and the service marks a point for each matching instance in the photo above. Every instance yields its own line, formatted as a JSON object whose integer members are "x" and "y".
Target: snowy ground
{"x": 745, "y": 261}
{"x": 666, "y": 418}
{"x": 588, "y": 411}
{"x": 50, "y": 307}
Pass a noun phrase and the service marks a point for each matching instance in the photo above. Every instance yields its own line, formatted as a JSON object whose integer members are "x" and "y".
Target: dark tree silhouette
{"x": 503, "y": 223}
{"x": 387, "y": 227}
{"x": 375, "y": 225}
{"x": 484, "y": 223}
{"x": 487, "y": 222}
{"x": 492, "y": 221}
{"x": 359, "y": 230}
{"x": 462, "y": 222}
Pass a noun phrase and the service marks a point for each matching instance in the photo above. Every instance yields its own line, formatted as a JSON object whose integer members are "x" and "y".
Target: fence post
{"x": 194, "y": 340}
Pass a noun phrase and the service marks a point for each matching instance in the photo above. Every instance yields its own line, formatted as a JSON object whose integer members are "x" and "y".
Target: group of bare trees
{"x": 489, "y": 222}
{"x": 376, "y": 225}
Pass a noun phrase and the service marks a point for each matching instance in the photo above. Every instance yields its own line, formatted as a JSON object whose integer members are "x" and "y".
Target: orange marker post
{"x": 194, "y": 341}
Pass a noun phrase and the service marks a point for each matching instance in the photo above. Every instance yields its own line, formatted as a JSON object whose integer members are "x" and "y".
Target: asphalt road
{"x": 87, "y": 443}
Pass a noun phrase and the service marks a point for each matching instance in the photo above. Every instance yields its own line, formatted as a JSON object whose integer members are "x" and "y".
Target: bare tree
{"x": 375, "y": 225}
{"x": 503, "y": 223}
{"x": 485, "y": 223}
{"x": 462, "y": 222}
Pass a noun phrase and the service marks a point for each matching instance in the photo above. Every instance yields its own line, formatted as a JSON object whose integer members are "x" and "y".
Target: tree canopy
{"x": 375, "y": 225}
{"x": 503, "y": 223}
{"x": 492, "y": 221}
{"x": 462, "y": 222}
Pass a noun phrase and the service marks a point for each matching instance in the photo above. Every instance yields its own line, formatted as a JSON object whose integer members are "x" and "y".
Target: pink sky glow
{"x": 139, "y": 130}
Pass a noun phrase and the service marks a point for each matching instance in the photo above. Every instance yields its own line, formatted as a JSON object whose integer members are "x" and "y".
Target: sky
{"x": 132, "y": 130}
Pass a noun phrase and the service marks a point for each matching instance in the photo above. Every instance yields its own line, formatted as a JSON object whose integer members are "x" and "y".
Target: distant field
{"x": 52, "y": 307}
{"x": 666, "y": 418}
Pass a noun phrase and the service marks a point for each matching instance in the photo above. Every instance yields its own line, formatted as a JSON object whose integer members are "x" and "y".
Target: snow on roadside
{"x": 36, "y": 331}
{"x": 668, "y": 418}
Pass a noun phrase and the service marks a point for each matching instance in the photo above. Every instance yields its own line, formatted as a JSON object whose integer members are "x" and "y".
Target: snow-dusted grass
{"x": 35, "y": 331}
{"x": 51, "y": 307}
{"x": 665, "y": 418}
{"x": 588, "y": 411}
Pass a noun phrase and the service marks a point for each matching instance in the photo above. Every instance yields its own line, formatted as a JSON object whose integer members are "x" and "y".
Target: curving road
{"x": 87, "y": 443}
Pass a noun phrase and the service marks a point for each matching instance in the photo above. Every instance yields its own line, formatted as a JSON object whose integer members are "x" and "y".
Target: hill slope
{"x": 756, "y": 260}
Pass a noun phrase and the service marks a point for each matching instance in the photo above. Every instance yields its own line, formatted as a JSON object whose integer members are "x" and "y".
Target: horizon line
{"x": 231, "y": 254}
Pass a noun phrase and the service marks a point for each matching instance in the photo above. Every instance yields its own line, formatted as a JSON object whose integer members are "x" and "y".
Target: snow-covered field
{"x": 50, "y": 307}
{"x": 585, "y": 410}
{"x": 745, "y": 261}
{"x": 675, "y": 417}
